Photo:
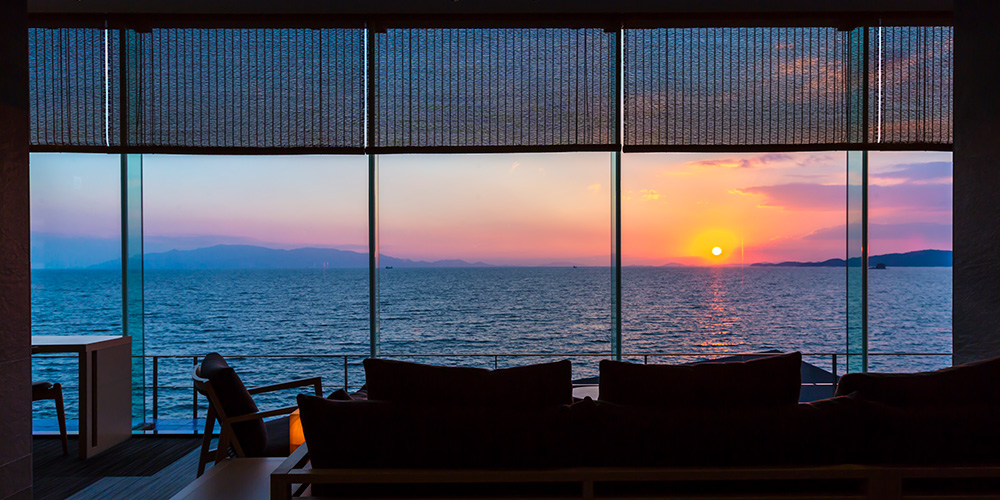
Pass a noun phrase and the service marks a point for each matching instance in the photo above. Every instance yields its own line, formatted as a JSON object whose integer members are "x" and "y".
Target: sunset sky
{"x": 510, "y": 209}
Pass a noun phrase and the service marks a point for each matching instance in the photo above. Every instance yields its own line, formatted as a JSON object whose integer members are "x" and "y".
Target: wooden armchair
{"x": 242, "y": 424}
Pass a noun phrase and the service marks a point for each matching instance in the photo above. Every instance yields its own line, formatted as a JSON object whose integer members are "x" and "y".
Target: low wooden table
{"x": 105, "y": 386}
{"x": 243, "y": 478}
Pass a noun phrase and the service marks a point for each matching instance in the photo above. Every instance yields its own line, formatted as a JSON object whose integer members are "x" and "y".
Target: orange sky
{"x": 775, "y": 207}
{"x": 514, "y": 209}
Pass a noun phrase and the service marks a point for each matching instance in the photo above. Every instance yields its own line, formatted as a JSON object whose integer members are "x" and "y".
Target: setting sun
{"x": 706, "y": 247}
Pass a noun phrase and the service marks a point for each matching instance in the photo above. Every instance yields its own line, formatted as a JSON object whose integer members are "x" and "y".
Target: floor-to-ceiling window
{"x": 213, "y": 227}
{"x": 257, "y": 256}
{"x": 738, "y": 252}
{"x": 733, "y": 253}
{"x": 496, "y": 254}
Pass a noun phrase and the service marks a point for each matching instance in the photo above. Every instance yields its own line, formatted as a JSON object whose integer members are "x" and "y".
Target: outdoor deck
{"x": 149, "y": 467}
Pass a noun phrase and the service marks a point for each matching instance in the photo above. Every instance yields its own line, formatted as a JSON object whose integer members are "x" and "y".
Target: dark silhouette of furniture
{"x": 243, "y": 429}
{"x": 42, "y": 391}
{"x": 105, "y": 386}
{"x": 715, "y": 429}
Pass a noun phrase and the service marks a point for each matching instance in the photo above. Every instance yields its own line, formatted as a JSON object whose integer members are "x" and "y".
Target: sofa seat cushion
{"x": 382, "y": 434}
{"x": 870, "y": 432}
{"x": 638, "y": 436}
{"x": 768, "y": 381}
{"x": 538, "y": 385}
{"x": 956, "y": 435}
{"x": 974, "y": 383}
{"x": 277, "y": 437}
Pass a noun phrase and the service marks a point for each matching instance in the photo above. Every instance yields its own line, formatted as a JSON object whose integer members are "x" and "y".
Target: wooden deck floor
{"x": 147, "y": 467}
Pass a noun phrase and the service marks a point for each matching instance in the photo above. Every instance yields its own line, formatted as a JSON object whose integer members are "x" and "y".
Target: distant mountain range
{"x": 239, "y": 256}
{"x": 919, "y": 258}
{"x": 255, "y": 257}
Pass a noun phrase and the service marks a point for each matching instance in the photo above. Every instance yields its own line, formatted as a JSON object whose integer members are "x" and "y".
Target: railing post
{"x": 495, "y": 360}
{"x": 645, "y": 359}
{"x": 156, "y": 388}
{"x": 345, "y": 372}
{"x": 194, "y": 390}
{"x": 834, "y": 373}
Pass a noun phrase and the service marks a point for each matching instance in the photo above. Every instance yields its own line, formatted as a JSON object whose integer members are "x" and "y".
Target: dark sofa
{"x": 741, "y": 418}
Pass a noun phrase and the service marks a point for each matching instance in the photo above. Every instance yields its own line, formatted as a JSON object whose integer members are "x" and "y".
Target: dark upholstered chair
{"x": 41, "y": 391}
{"x": 243, "y": 427}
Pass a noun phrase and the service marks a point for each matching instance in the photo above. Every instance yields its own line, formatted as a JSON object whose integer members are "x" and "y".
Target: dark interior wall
{"x": 15, "y": 274}
{"x": 977, "y": 181}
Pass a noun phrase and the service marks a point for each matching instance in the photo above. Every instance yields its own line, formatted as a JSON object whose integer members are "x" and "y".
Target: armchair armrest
{"x": 313, "y": 381}
{"x": 262, "y": 414}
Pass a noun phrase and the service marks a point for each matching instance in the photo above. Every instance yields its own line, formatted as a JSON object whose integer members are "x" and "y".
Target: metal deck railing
{"x": 344, "y": 360}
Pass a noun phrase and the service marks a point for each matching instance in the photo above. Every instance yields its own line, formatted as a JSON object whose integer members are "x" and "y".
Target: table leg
{"x": 105, "y": 398}
{"x": 85, "y": 401}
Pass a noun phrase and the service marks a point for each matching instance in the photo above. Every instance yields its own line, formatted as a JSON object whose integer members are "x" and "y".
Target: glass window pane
{"x": 496, "y": 255}
{"x": 261, "y": 256}
{"x": 75, "y": 262}
{"x": 733, "y": 253}
{"x": 910, "y": 235}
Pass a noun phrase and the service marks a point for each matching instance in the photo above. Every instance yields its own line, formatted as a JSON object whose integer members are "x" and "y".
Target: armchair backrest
{"x": 228, "y": 398}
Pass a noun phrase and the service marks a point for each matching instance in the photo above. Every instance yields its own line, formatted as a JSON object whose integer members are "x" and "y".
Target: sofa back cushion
{"x": 769, "y": 381}
{"x": 523, "y": 386}
{"x": 235, "y": 401}
{"x": 976, "y": 383}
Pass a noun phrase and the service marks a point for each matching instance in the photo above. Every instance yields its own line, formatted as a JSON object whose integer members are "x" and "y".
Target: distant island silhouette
{"x": 241, "y": 256}
{"x": 919, "y": 258}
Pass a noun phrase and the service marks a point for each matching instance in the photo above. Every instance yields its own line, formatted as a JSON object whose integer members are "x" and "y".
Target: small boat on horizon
{"x": 388, "y": 267}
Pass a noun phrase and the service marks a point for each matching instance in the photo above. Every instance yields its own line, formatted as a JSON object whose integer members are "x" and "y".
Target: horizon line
{"x": 479, "y": 263}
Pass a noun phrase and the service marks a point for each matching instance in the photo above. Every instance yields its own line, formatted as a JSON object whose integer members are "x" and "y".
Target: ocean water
{"x": 301, "y": 323}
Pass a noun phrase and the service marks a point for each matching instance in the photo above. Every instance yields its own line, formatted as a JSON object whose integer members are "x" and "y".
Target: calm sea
{"x": 322, "y": 315}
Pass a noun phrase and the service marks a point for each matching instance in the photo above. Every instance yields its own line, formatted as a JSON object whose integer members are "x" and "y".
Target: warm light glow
{"x": 716, "y": 251}
{"x": 295, "y": 434}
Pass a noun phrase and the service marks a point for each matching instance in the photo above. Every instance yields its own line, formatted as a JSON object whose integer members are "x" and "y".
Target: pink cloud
{"x": 822, "y": 197}
{"x": 801, "y": 196}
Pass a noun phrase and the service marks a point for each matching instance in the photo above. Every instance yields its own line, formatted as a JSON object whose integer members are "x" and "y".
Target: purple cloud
{"x": 923, "y": 197}
{"x": 748, "y": 162}
{"x": 823, "y": 197}
{"x": 929, "y": 171}
{"x": 905, "y": 231}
